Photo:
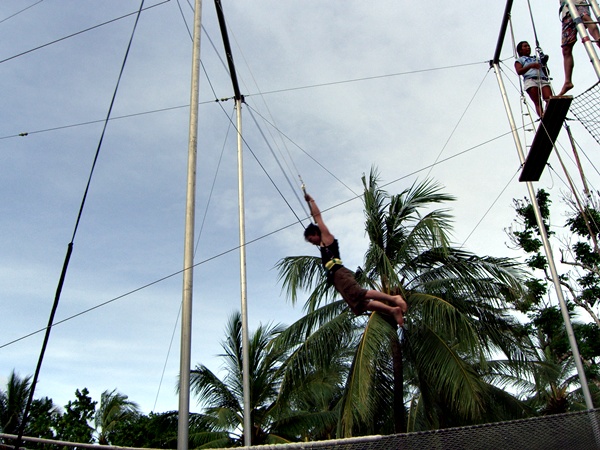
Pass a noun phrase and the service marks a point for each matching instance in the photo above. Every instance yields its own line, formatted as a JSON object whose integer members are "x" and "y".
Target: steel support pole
{"x": 188, "y": 256}
{"x": 585, "y": 38}
{"x": 547, "y": 248}
{"x": 243, "y": 284}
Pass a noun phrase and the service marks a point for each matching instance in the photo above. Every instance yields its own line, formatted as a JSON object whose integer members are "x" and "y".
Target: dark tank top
{"x": 330, "y": 252}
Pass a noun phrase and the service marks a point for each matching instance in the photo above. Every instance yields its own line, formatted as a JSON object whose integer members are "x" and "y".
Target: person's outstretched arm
{"x": 326, "y": 236}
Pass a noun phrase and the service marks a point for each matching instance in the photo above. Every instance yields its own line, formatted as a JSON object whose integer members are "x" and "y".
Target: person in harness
{"x": 535, "y": 79}
{"x": 358, "y": 299}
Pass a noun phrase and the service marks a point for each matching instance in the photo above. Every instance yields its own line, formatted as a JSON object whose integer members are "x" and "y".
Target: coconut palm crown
{"x": 436, "y": 370}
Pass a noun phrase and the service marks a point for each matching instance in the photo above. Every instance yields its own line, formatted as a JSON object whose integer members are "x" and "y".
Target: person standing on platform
{"x": 569, "y": 37}
{"x": 535, "y": 79}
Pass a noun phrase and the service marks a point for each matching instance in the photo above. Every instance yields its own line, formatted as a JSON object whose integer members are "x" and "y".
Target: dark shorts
{"x": 569, "y": 31}
{"x": 350, "y": 290}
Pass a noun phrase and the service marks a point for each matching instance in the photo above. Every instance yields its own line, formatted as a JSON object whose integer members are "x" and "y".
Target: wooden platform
{"x": 545, "y": 137}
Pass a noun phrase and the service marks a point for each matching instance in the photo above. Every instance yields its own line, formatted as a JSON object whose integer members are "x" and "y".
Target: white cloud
{"x": 131, "y": 230}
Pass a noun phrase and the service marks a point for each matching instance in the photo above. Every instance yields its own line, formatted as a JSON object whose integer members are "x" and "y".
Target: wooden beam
{"x": 545, "y": 137}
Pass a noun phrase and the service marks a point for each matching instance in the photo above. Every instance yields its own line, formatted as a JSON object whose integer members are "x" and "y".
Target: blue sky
{"x": 347, "y": 85}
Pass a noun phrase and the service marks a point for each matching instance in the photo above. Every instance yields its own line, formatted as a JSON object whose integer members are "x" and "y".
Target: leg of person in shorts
{"x": 569, "y": 37}
{"x": 532, "y": 86}
{"x": 361, "y": 300}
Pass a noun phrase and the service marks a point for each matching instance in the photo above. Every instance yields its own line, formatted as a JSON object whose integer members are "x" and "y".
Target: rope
{"x": 70, "y": 249}
{"x": 20, "y": 11}
{"x": 308, "y": 154}
{"x": 78, "y": 32}
{"x": 280, "y": 167}
{"x": 538, "y": 49}
{"x": 459, "y": 121}
{"x": 537, "y": 42}
{"x": 580, "y": 207}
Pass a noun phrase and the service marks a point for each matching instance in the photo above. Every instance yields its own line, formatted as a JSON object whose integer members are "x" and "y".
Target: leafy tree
{"x": 439, "y": 365}
{"x": 316, "y": 366}
{"x": 156, "y": 430}
{"x": 42, "y": 415}
{"x": 74, "y": 424}
{"x": 555, "y": 387}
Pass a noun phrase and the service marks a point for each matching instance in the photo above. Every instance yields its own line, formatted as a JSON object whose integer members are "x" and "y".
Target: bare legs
{"x": 381, "y": 302}
{"x": 567, "y": 51}
{"x": 568, "y": 64}
{"x": 534, "y": 94}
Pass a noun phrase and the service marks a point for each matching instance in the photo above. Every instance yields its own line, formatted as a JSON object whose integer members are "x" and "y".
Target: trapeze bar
{"x": 545, "y": 137}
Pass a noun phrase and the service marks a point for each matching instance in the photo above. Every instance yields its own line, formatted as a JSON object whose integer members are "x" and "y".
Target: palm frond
{"x": 301, "y": 273}
{"x": 363, "y": 392}
{"x": 445, "y": 375}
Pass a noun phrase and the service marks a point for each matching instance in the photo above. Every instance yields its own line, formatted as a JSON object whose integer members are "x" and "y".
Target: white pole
{"x": 243, "y": 289}
{"x": 188, "y": 256}
{"x": 595, "y": 8}
{"x": 551, "y": 265}
{"x": 585, "y": 38}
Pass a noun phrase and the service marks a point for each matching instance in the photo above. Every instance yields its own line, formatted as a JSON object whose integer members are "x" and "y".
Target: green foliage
{"x": 114, "y": 408}
{"x": 223, "y": 400}
{"x": 12, "y": 403}
{"x": 585, "y": 223}
{"x": 74, "y": 424}
{"x": 589, "y": 344}
{"x": 118, "y": 420}
{"x": 556, "y": 388}
{"x": 156, "y": 430}
{"x": 42, "y": 416}
{"x": 455, "y": 322}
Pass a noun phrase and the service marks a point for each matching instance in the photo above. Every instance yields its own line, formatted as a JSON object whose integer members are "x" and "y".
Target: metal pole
{"x": 585, "y": 38}
{"x": 188, "y": 257}
{"x": 595, "y": 8}
{"x": 243, "y": 290}
{"x": 547, "y": 249}
{"x": 243, "y": 294}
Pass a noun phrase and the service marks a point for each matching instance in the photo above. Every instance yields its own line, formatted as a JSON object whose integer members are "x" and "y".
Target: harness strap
{"x": 329, "y": 264}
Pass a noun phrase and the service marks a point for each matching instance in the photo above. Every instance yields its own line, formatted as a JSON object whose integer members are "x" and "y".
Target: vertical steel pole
{"x": 595, "y": 8}
{"x": 243, "y": 289}
{"x": 188, "y": 257}
{"x": 244, "y": 304}
{"x": 548, "y": 250}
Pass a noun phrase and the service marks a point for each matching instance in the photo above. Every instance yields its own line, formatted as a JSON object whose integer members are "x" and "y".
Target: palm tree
{"x": 114, "y": 407}
{"x": 42, "y": 417}
{"x": 280, "y": 412}
{"x": 456, "y": 318}
{"x": 12, "y": 403}
{"x": 223, "y": 399}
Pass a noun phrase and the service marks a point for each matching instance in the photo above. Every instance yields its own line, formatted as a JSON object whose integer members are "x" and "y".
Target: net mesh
{"x": 585, "y": 108}
{"x": 577, "y": 430}
{"x": 580, "y": 430}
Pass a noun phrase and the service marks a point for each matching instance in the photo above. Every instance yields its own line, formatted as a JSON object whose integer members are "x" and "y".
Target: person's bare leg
{"x": 397, "y": 300}
{"x": 534, "y": 94}
{"x": 592, "y": 28}
{"x": 546, "y": 94}
{"x": 568, "y": 64}
{"x": 394, "y": 311}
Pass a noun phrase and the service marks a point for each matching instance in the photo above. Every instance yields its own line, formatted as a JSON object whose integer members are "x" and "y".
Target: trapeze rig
{"x": 532, "y": 166}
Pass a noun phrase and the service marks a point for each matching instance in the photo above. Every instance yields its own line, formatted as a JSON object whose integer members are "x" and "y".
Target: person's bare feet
{"x": 566, "y": 87}
{"x": 400, "y": 302}
{"x": 398, "y": 315}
